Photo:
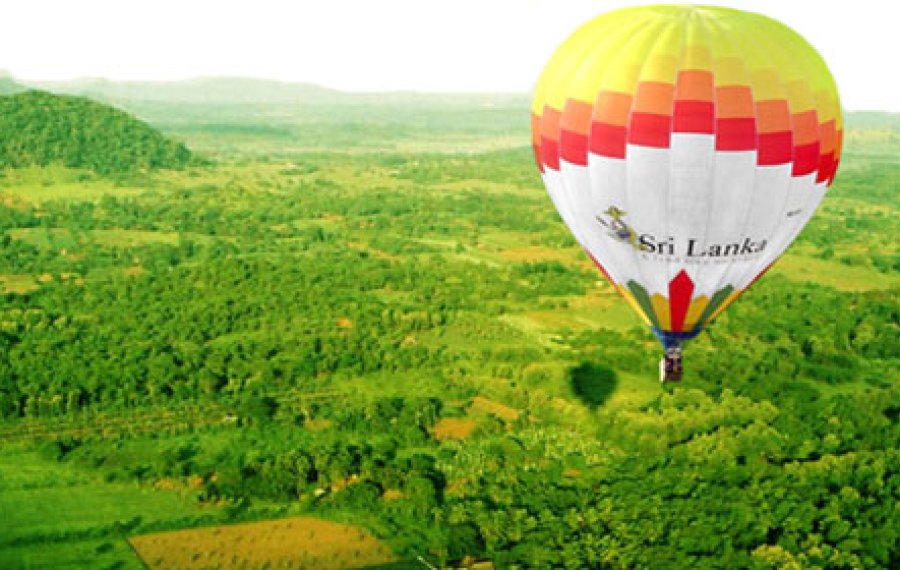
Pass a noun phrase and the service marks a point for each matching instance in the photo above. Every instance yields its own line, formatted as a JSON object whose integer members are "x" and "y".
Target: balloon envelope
{"x": 685, "y": 147}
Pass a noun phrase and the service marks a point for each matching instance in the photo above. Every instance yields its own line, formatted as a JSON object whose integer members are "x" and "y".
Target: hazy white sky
{"x": 426, "y": 45}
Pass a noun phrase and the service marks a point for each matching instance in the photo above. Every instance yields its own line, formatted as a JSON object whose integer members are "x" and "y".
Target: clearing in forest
{"x": 453, "y": 428}
{"x": 299, "y": 542}
{"x": 502, "y": 411}
{"x": 17, "y": 284}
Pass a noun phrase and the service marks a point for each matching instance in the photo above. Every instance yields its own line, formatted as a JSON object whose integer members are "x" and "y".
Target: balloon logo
{"x": 685, "y": 147}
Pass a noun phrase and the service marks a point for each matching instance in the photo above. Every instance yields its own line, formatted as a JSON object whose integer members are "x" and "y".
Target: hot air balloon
{"x": 685, "y": 147}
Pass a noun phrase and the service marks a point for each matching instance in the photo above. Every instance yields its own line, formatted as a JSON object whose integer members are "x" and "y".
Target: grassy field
{"x": 58, "y": 516}
{"x": 39, "y": 185}
{"x": 840, "y": 276}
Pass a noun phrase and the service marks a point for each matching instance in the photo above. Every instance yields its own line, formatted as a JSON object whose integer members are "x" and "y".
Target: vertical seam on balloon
{"x": 563, "y": 199}
{"x": 604, "y": 81}
{"x": 811, "y": 60}
{"x": 635, "y": 252}
{"x": 751, "y": 273}
{"x": 711, "y": 190}
{"x": 715, "y": 153}
{"x": 755, "y": 171}
{"x": 687, "y": 18}
{"x": 721, "y": 278}
{"x": 588, "y": 51}
{"x": 747, "y": 276}
{"x": 642, "y": 21}
{"x": 629, "y": 33}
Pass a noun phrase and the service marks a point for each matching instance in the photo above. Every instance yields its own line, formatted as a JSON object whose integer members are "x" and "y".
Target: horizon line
{"x": 406, "y": 91}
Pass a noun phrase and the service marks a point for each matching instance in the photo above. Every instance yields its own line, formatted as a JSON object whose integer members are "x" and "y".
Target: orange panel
{"x": 773, "y": 116}
{"x": 576, "y": 117}
{"x": 806, "y": 128}
{"x": 828, "y": 136}
{"x": 734, "y": 102}
{"x": 654, "y": 97}
{"x": 612, "y": 108}
{"x": 550, "y": 123}
{"x": 694, "y": 85}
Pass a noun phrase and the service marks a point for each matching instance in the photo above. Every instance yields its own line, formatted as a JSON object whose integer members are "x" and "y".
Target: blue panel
{"x": 669, "y": 339}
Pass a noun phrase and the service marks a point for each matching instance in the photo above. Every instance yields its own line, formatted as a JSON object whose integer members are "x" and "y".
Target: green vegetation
{"x": 43, "y": 129}
{"x": 383, "y": 331}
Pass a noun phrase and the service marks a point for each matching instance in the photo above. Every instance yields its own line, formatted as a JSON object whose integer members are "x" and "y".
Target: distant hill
{"x": 873, "y": 119}
{"x": 213, "y": 90}
{"x": 8, "y": 85}
{"x": 236, "y": 90}
{"x": 239, "y": 90}
{"x": 39, "y": 128}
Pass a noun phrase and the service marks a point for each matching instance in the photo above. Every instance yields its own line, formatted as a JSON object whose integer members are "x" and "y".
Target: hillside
{"x": 40, "y": 128}
{"x": 254, "y": 91}
{"x": 8, "y": 85}
{"x": 197, "y": 90}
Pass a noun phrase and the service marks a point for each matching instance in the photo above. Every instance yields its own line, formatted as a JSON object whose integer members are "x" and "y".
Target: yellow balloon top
{"x": 648, "y": 59}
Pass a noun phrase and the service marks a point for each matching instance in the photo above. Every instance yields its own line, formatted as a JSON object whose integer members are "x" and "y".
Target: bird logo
{"x": 619, "y": 228}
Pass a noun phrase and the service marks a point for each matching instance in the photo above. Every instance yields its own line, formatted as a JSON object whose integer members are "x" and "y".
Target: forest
{"x": 42, "y": 129}
{"x": 370, "y": 313}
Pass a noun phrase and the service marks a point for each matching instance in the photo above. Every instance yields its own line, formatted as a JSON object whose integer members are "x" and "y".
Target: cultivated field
{"x": 298, "y": 542}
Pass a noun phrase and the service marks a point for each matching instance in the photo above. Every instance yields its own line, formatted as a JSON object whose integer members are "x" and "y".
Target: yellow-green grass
{"x": 455, "y": 144}
{"x": 61, "y": 237}
{"x": 71, "y": 555}
{"x": 55, "y": 515}
{"x": 262, "y": 145}
{"x": 487, "y": 187}
{"x": 47, "y": 238}
{"x": 600, "y": 308}
{"x": 477, "y": 257}
{"x": 299, "y": 542}
{"x": 534, "y": 253}
{"x": 467, "y": 337}
{"x": 39, "y": 185}
{"x": 503, "y": 239}
{"x": 129, "y": 238}
{"x": 869, "y": 141}
{"x": 84, "y": 506}
{"x": 373, "y": 251}
{"x": 833, "y": 274}
{"x": 632, "y": 391}
{"x": 328, "y": 221}
{"x": 483, "y": 405}
{"x": 497, "y": 249}
{"x": 351, "y": 178}
{"x": 18, "y": 283}
{"x": 615, "y": 316}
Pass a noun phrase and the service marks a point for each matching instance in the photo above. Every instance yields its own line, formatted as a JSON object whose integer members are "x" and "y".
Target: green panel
{"x": 714, "y": 303}
{"x": 643, "y": 299}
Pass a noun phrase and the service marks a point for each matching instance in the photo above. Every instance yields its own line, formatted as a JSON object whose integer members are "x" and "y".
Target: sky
{"x": 387, "y": 45}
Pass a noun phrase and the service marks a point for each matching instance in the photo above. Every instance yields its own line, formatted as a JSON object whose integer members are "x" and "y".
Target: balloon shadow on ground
{"x": 593, "y": 384}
